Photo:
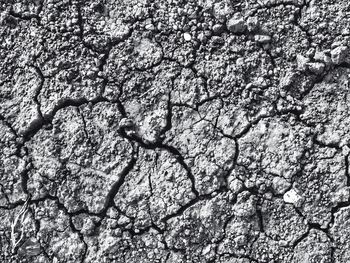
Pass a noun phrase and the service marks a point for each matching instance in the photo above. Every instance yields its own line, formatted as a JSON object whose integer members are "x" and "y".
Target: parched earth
{"x": 214, "y": 131}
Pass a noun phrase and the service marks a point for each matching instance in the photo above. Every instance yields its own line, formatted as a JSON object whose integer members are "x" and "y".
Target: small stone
{"x": 280, "y": 185}
{"x": 187, "y": 37}
{"x": 302, "y": 62}
{"x": 292, "y": 197}
{"x": 252, "y": 24}
{"x": 316, "y": 67}
{"x": 123, "y": 220}
{"x": 221, "y": 9}
{"x": 319, "y": 56}
{"x": 262, "y": 39}
{"x": 218, "y": 28}
{"x": 310, "y": 53}
{"x": 150, "y": 27}
{"x": 201, "y": 37}
{"x": 206, "y": 250}
{"x": 338, "y": 55}
{"x": 236, "y": 186}
{"x": 236, "y": 25}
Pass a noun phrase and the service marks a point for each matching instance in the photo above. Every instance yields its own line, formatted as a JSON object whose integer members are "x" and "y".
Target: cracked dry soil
{"x": 172, "y": 131}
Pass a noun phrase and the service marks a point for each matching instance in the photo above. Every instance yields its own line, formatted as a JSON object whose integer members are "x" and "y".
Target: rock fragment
{"x": 280, "y": 185}
{"x": 236, "y": 25}
{"x": 316, "y": 67}
{"x": 218, "y": 28}
{"x": 302, "y": 62}
{"x": 262, "y": 39}
{"x": 292, "y": 197}
{"x": 339, "y": 54}
{"x": 252, "y": 24}
{"x": 187, "y": 37}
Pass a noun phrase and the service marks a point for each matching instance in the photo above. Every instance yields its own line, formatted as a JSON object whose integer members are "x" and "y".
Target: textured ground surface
{"x": 174, "y": 131}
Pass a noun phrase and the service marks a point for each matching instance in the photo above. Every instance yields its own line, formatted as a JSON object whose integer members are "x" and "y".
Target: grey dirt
{"x": 174, "y": 131}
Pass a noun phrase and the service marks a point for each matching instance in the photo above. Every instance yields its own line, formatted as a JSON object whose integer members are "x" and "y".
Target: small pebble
{"x": 262, "y": 39}
{"x": 338, "y": 55}
{"x": 218, "y": 29}
{"x": 187, "y": 37}
{"x": 235, "y": 25}
{"x": 291, "y": 197}
{"x": 316, "y": 67}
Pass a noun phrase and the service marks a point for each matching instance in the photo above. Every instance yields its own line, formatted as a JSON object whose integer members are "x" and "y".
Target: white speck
{"x": 291, "y": 197}
{"x": 187, "y": 37}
